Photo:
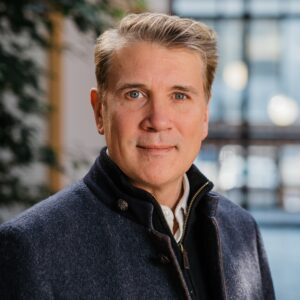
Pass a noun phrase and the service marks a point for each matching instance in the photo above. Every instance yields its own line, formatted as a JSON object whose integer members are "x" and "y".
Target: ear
{"x": 205, "y": 122}
{"x": 98, "y": 108}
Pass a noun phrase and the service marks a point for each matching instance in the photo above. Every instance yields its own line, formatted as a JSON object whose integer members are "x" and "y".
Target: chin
{"x": 157, "y": 180}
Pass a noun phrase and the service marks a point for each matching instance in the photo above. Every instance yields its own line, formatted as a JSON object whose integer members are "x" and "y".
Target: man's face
{"x": 154, "y": 115}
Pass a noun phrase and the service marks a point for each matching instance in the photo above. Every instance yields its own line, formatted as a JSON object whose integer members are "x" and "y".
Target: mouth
{"x": 156, "y": 149}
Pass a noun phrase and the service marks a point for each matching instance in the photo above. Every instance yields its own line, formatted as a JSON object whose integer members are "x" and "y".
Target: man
{"x": 143, "y": 223}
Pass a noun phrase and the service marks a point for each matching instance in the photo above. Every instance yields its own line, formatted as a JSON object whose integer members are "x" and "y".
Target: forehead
{"x": 153, "y": 62}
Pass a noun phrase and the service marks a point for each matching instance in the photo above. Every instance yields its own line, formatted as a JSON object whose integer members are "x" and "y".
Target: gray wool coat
{"x": 96, "y": 240}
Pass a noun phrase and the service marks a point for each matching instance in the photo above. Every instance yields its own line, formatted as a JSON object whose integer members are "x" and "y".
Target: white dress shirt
{"x": 179, "y": 212}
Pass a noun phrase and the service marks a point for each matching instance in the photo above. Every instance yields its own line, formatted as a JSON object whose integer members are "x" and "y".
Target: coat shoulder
{"x": 231, "y": 212}
{"x": 53, "y": 210}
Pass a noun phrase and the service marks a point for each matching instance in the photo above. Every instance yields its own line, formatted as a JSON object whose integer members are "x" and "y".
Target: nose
{"x": 157, "y": 116}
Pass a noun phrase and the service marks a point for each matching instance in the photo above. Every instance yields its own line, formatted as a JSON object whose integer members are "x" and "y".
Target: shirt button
{"x": 164, "y": 259}
{"x": 122, "y": 205}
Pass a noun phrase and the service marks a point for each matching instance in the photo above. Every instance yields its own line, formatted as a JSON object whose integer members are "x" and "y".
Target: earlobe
{"x": 97, "y": 107}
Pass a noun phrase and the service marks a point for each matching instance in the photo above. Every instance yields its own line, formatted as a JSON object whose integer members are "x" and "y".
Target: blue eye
{"x": 134, "y": 94}
{"x": 180, "y": 96}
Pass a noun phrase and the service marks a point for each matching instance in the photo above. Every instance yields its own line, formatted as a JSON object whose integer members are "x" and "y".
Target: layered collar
{"x": 111, "y": 186}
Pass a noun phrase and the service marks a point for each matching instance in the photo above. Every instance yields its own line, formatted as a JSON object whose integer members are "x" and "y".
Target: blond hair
{"x": 168, "y": 31}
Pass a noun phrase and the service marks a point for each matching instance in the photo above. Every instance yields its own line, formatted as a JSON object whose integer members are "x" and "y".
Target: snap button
{"x": 122, "y": 205}
{"x": 164, "y": 259}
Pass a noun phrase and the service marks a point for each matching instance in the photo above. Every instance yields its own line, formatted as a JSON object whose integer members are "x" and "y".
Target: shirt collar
{"x": 179, "y": 212}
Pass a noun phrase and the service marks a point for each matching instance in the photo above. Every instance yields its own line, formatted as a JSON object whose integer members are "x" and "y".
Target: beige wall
{"x": 79, "y": 136}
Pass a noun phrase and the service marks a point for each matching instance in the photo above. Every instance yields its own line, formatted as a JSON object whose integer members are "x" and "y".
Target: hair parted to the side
{"x": 168, "y": 31}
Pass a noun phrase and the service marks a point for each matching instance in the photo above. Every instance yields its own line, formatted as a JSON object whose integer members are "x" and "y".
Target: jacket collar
{"x": 110, "y": 184}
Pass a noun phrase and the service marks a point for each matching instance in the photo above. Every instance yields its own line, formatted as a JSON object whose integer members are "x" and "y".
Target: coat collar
{"x": 111, "y": 186}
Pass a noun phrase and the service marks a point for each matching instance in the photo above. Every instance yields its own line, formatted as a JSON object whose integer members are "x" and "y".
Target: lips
{"x": 156, "y": 149}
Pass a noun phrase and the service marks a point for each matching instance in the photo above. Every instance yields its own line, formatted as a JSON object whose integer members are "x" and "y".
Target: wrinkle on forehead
{"x": 162, "y": 62}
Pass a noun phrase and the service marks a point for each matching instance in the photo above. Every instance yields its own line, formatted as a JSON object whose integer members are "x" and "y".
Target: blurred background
{"x": 47, "y": 134}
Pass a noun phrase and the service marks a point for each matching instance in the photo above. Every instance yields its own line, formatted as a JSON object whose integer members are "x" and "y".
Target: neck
{"x": 168, "y": 194}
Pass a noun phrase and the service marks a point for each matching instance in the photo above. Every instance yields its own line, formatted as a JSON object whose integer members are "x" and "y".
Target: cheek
{"x": 195, "y": 128}
{"x": 122, "y": 124}
{"x": 194, "y": 121}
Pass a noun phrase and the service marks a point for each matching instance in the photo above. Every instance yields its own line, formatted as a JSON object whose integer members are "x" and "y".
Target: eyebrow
{"x": 186, "y": 88}
{"x": 130, "y": 86}
{"x": 183, "y": 88}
